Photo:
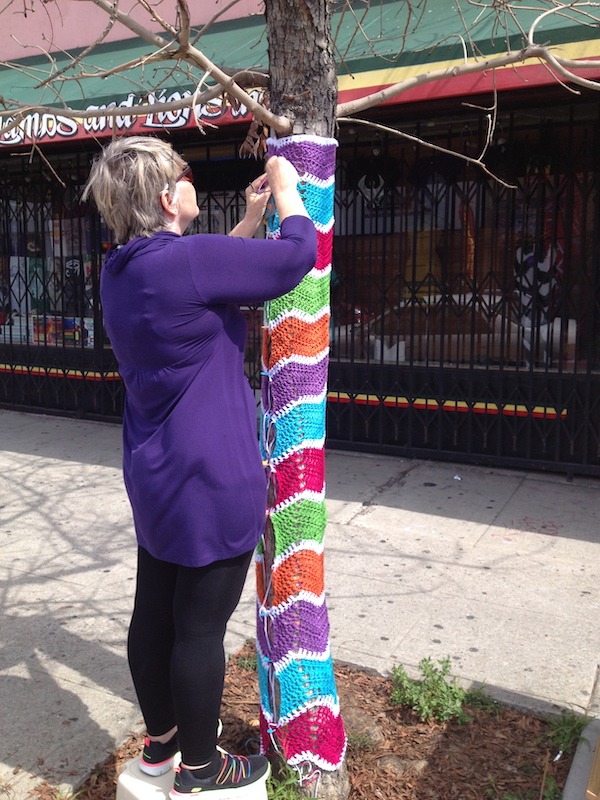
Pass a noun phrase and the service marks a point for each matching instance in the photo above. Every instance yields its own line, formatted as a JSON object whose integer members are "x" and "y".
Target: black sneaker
{"x": 237, "y": 778}
{"x": 158, "y": 758}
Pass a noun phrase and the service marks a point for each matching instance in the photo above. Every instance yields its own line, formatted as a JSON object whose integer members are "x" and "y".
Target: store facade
{"x": 465, "y": 310}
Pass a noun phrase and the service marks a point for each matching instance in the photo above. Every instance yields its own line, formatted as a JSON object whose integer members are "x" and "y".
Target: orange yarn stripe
{"x": 302, "y": 571}
{"x": 297, "y": 338}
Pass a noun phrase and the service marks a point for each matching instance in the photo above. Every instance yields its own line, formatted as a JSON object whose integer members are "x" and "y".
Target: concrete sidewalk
{"x": 496, "y": 568}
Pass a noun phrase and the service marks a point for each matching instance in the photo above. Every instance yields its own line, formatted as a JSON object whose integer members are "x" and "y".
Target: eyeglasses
{"x": 186, "y": 175}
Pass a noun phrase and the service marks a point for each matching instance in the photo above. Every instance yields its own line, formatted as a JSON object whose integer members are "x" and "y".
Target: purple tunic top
{"x": 191, "y": 460}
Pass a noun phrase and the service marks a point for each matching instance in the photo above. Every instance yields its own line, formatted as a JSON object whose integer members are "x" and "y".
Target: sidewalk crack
{"x": 396, "y": 480}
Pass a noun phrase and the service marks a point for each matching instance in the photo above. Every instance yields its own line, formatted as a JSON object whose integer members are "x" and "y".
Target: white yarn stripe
{"x": 303, "y": 316}
{"x": 293, "y": 655}
{"x": 320, "y": 183}
{"x": 277, "y": 144}
{"x": 297, "y": 547}
{"x": 326, "y": 227}
{"x": 309, "y": 597}
{"x": 317, "y": 274}
{"x": 331, "y": 703}
{"x": 314, "y": 758}
{"x": 315, "y": 444}
{"x": 308, "y": 360}
{"x": 326, "y": 700}
{"x": 306, "y": 399}
{"x": 307, "y": 494}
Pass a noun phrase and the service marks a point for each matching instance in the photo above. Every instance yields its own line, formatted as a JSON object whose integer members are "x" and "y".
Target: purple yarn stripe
{"x": 303, "y": 379}
{"x": 311, "y": 635}
{"x": 322, "y": 161}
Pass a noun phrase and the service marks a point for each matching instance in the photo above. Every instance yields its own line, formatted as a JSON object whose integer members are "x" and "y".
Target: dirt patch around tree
{"x": 501, "y": 754}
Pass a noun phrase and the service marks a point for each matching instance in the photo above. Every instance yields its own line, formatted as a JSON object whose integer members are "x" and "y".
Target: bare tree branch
{"x": 166, "y": 26}
{"x": 129, "y": 22}
{"x": 36, "y": 148}
{"x": 19, "y": 110}
{"x": 190, "y": 53}
{"x": 213, "y": 19}
{"x": 79, "y": 58}
{"x": 387, "y": 129}
{"x": 529, "y": 52}
{"x": 559, "y": 9}
{"x": 175, "y": 46}
{"x": 184, "y": 16}
{"x": 558, "y": 65}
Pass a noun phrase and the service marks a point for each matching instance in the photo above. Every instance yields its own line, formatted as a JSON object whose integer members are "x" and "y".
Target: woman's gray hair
{"x": 126, "y": 180}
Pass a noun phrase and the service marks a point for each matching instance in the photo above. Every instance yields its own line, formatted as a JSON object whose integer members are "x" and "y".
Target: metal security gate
{"x": 466, "y": 314}
{"x": 53, "y": 353}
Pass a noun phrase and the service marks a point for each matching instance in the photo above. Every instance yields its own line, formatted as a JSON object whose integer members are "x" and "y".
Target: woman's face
{"x": 188, "y": 203}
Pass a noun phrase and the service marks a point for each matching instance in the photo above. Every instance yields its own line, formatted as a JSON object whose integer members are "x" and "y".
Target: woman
{"x": 192, "y": 464}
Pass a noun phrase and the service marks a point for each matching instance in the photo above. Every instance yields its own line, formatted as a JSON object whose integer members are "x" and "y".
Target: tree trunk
{"x": 301, "y": 64}
{"x": 299, "y": 705}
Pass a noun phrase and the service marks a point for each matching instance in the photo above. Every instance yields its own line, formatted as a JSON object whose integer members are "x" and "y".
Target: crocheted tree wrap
{"x": 300, "y": 711}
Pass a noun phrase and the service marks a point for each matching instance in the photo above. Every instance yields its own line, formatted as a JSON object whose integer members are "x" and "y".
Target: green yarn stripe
{"x": 310, "y": 296}
{"x": 305, "y": 519}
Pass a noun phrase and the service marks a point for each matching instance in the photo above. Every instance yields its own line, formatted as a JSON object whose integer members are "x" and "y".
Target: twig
{"x": 22, "y": 109}
{"x": 475, "y": 161}
{"x": 530, "y": 51}
{"x": 184, "y": 15}
{"x": 189, "y": 53}
{"x": 37, "y": 149}
{"x": 543, "y": 786}
{"x": 213, "y": 19}
{"x": 77, "y": 59}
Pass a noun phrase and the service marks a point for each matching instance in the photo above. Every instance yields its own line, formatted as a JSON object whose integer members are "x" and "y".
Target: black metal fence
{"x": 53, "y": 353}
{"x": 465, "y": 310}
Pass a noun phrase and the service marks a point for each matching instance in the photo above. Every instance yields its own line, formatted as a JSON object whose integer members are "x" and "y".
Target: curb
{"x": 579, "y": 774}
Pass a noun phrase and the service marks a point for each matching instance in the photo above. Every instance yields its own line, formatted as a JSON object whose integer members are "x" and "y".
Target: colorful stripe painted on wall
{"x": 300, "y": 711}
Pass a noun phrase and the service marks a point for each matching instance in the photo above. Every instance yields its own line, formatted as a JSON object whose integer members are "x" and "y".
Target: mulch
{"x": 502, "y": 754}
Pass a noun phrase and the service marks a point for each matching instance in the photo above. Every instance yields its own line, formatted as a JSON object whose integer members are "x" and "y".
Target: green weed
{"x": 283, "y": 783}
{"x": 433, "y": 697}
{"x": 494, "y": 793}
{"x": 48, "y": 792}
{"x": 565, "y": 731}
{"x": 247, "y": 658}
{"x": 249, "y": 662}
{"x": 551, "y": 791}
{"x": 477, "y": 699}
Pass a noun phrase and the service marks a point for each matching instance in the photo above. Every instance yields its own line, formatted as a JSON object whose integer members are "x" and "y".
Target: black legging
{"x": 175, "y": 647}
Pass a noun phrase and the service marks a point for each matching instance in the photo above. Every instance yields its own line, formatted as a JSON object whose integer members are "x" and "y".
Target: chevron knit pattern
{"x": 299, "y": 704}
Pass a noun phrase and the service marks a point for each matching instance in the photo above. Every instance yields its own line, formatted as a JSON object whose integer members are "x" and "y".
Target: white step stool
{"x": 133, "y": 784}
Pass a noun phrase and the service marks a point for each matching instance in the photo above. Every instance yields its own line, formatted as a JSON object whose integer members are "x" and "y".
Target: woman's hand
{"x": 281, "y": 174}
{"x": 257, "y": 197}
{"x": 258, "y": 194}
{"x": 279, "y": 181}
{"x": 283, "y": 182}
